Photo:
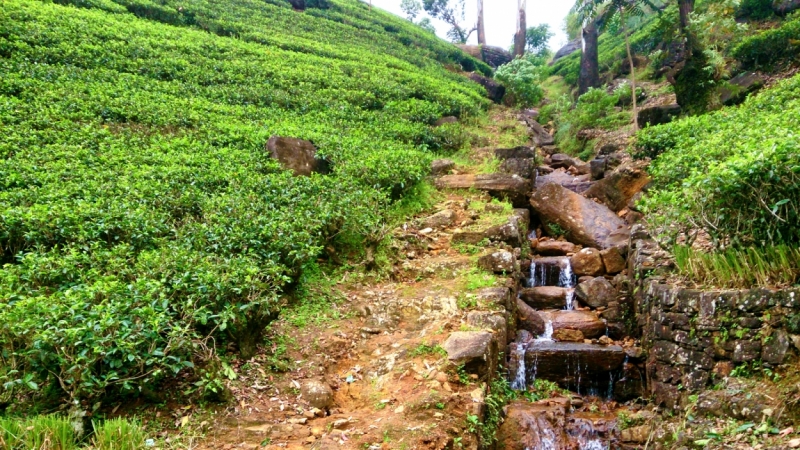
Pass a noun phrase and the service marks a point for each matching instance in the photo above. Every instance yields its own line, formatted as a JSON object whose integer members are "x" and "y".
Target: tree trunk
{"x": 481, "y": 30}
{"x": 633, "y": 69}
{"x": 590, "y": 73}
{"x": 519, "y": 40}
{"x": 685, "y": 7}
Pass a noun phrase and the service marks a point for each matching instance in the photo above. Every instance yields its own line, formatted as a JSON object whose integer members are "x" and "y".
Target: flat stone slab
{"x": 572, "y": 364}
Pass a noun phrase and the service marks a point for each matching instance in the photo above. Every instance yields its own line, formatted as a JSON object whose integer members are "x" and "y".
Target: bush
{"x": 594, "y": 109}
{"x": 771, "y": 47}
{"x": 755, "y": 9}
{"x": 140, "y": 217}
{"x": 522, "y": 79}
{"x": 734, "y": 173}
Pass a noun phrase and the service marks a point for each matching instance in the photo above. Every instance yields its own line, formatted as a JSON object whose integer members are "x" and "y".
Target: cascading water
{"x": 566, "y": 279}
{"x": 519, "y": 382}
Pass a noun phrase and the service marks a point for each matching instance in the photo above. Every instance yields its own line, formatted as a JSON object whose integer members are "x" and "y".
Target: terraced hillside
{"x": 141, "y": 219}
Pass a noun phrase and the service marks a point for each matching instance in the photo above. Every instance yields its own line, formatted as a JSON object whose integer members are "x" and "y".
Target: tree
{"x": 451, "y": 14}
{"x": 411, "y": 8}
{"x": 481, "y": 29}
{"x": 519, "y": 38}
{"x": 585, "y": 12}
{"x": 536, "y": 39}
{"x": 426, "y": 24}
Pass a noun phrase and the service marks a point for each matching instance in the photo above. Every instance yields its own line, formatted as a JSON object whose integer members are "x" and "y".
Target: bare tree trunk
{"x": 519, "y": 39}
{"x": 685, "y": 7}
{"x": 481, "y": 30}
{"x": 633, "y": 70}
{"x": 590, "y": 72}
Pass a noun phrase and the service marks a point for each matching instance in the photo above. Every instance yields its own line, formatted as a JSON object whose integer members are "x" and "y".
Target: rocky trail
{"x": 489, "y": 297}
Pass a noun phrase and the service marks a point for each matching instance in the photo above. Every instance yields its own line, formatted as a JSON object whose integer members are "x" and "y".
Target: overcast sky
{"x": 501, "y": 18}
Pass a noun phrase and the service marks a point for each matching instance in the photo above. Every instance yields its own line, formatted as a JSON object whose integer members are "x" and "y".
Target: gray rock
{"x": 440, "y": 219}
{"x": 522, "y": 167}
{"x": 657, "y": 115}
{"x": 783, "y": 7}
{"x": 317, "y": 393}
{"x": 442, "y": 167}
{"x": 745, "y": 351}
{"x": 499, "y": 185}
{"x": 596, "y": 293}
{"x": 493, "y": 321}
{"x": 774, "y": 351}
{"x": 509, "y": 232}
{"x": 739, "y": 87}
{"x": 476, "y": 350}
{"x": 494, "y": 90}
{"x": 521, "y": 152}
{"x": 597, "y": 168}
{"x": 499, "y": 262}
{"x": 586, "y": 222}
{"x": 296, "y": 155}
{"x": 570, "y": 48}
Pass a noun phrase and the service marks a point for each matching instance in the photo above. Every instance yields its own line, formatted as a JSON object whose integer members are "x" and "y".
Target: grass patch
{"x": 427, "y": 349}
{"x": 52, "y": 432}
{"x": 774, "y": 266}
{"x": 476, "y": 278}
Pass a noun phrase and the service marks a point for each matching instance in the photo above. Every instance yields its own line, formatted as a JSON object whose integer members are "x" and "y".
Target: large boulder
{"x": 476, "y": 350}
{"x": 493, "y": 321}
{"x": 613, "y": 261}
{"x": 584, "y": 221}
{"x": 739, "y": 87}
{"x": 521, "y": 152}
{"x": 570, "y": 48}
{"x": 522, "y": 167}
{"x": 657, "y": 115}
{"x": 510, "y": 232}
{"x": 617, "y": 189}
{"x": 558, "y": 361}
{"x": 499, "y": 185}
{"x": 540, "y": 136}
{"x": 545, "y": 297}
{"x": 494, "y": 90}
{"x": 296, "y": 155}
{"x": 597, "y": 292}
{"x": 493, "y": 56}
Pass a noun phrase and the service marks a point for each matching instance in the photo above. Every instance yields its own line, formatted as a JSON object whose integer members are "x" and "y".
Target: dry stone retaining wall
{"x": 697, "y": 337}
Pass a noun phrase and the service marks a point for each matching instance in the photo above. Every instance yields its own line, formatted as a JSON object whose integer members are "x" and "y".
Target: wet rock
{"x": 494, "y": 321}
{"x": 441, "y": 219}
{"x": 596, "y": 293}
{"x": 559, "y": 361}
{"x": 476, "y": 350}
{"x": 534, "y": 426}
{"x": 442, "y": 167}
{"x": 567, "y": 335}
{"x": 498, "y": 185}
{"x": 446, "y": 120}
{"x": 585, "y": 321}
{"x": 494, "y": 90}
{"x": 657, "y": 115}
{"x": 774, "y": 351}
{"x": 296, "y": 155}
{"x": 555, "y": 248}
{"x": 618, "y": 188}
{"x": 588, "y": 262}
{"x": 545, "y": 297}
{"x": 613, "y": 261}
{"x": 586, "y": 222}
{"x": 547, "y": 270}
{"x": 529, "y": 319}
{"x": 317, "y": 393}
{"x": 499, "y": 262}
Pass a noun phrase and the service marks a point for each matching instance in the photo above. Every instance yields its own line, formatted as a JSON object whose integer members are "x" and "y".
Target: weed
{"x": 427, "y": 349}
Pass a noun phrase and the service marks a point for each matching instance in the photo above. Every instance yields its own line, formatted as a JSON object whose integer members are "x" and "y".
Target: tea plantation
{"x": 141, "y": 219}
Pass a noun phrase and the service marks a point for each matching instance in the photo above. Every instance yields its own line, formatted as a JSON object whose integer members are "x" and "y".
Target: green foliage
{"x": 755, "y": 9}
{"x": 522, "y": 78}
{"x": 427, "y": 349}
{"x": 772, "y": 47}
{"x": 118, "y": 434}
{"x": 773, "y": 266}
{"x": 38, "y": 432}
{"x": 536, "y": 39}
{"x": 734, "y": 173}
{"x": 594, "y": 109}
{"x": 543, "y": 389}
{"x": 140, "y": 217}
{"x": 475, "y": 279}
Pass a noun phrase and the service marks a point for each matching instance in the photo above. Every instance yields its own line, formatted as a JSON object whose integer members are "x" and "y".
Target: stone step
{"x": 503, "y": 186}
{"x": 574, "y": 365}
{"x": 587, "y": 322}
{"x": 545, "y": 297}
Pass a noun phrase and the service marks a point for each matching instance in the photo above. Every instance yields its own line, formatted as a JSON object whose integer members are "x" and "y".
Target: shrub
{"x": 755, "y": 9}
{"x": 771, "y": 47}
{"x": 594, "y": 109}
{"x": 522, "y": 79}
{"x": 733, "y": 173}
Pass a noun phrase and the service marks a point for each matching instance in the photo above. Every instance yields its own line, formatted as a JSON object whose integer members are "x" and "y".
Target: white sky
{"x": 501, "y": 18}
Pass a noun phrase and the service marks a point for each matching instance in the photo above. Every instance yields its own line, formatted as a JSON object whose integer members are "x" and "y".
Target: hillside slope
{"x": 141, "y": 219}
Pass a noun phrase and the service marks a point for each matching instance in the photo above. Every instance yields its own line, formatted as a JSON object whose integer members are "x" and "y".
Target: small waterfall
{"x": 570, "y": 301}
{"x": 583, "y": 433}
{"x": 566, "y": 278}
{"x": 547, "y": 336}
{"x": 519, "y": 382}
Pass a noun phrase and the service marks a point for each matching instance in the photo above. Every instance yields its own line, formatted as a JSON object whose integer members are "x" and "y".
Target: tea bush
{"x": 771, "y": 47}
{"x": 734, "y": 173}
{"x": 141, "y": 219}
